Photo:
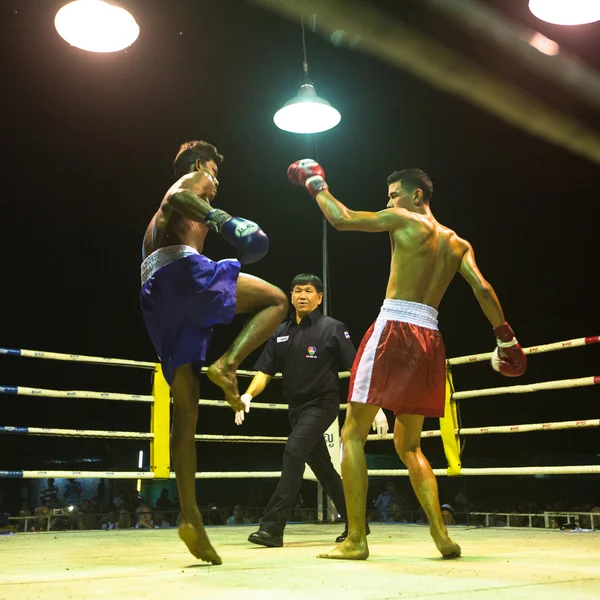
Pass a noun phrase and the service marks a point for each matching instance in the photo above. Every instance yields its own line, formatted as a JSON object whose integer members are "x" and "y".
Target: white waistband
{"x": 163, "y": 257}
{"x": 409, "y": 312}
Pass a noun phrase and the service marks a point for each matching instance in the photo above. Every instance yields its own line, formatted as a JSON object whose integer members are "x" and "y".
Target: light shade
{"x": 307, "y": 113}
{"x": 96, "y": 26}
{"x": 566, "y": 12}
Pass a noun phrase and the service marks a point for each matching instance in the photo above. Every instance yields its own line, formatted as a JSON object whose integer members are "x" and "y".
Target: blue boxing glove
{"x": 247, "y": 237}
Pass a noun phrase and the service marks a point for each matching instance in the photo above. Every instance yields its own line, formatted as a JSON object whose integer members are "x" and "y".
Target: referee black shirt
{"x": 309, "y": 355}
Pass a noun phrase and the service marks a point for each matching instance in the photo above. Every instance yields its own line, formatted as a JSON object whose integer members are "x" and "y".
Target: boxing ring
{"x": 496, "y": 563}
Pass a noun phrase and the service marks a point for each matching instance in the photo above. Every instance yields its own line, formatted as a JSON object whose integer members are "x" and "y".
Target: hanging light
{"x": 306, "y": 112}
{"x": 566, "y": 12}
{"x": 96, "y": 26}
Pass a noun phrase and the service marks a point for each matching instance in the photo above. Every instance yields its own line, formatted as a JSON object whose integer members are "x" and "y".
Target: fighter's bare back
{"x": 168, "y": 227}
{"x": 425, "y": 257}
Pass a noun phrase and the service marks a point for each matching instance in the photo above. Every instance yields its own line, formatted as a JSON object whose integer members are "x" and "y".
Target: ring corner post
{"x": 160, "y": 458}
{"x": 449, "y": 427}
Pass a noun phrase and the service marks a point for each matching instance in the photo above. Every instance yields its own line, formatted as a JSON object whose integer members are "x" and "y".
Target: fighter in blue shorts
{"x": 184, "y": 294}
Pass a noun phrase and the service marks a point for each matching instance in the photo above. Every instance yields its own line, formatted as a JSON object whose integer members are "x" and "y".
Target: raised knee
{"x": 281, "y": 300}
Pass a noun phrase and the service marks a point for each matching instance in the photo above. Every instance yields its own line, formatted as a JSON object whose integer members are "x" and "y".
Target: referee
{"x": 309, "y": 349}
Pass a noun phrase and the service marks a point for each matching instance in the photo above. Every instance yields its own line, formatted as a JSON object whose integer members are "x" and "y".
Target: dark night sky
{"x": 88, "y": 145}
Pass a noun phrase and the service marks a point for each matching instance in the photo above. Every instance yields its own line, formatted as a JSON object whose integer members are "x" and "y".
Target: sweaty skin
{"x": 425, "y": 257}
{"x": 425, "y": 254}
{"x": 180, "y": 220}
{"x": 176, "y": 221}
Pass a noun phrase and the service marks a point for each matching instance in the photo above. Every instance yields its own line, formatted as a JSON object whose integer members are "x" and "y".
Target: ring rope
{"x": 135, "y": 435}
{"x": 559, "y": 470}
{"x": 256, "y": 439}
{"x": 263, "y": 405}
{"x": 584, "y": 341}
{"x": 501, "y": 429}
{"x": 92, "y": 433}
{"x": 87, "y": 433}
{"x": 98, "y": 360}
{"x": 554, "y": 470}
{"x": 27, "y": 391}
{"x": 511, "y": 389}
{"x": 531, "y": 387}
{"x": 594, "y": 339}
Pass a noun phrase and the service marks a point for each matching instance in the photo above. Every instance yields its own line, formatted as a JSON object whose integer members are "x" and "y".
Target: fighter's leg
{"x": 407, "y": 440}
{"x": 270, "y": 305}
{"x": 185, "y": 390}
{"x": 355, "y": 479}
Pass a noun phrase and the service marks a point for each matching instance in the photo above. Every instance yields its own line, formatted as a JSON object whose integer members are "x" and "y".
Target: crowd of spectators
{"x": 390, "y": 502}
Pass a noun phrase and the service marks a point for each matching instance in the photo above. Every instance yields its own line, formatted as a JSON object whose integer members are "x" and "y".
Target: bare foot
{"x": 447, "y": 548}
{"x": 198, "y": 544}
{"x": 348, "y": 550}
{"x": 225, "y": 377}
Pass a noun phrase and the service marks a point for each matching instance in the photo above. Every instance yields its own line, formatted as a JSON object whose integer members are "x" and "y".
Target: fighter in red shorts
{"x": 400, "y": 364}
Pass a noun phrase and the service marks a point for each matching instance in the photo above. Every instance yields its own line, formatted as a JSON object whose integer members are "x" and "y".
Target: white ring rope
{"x": 501, "y": 429}
{"x": 97, "y": 360}
{"x": 256, "y": 439}
{"x": 518, "y": 389}
{"x": 510, "y": 389}
{"x": 570, "y": 470}
{"x": 260, "y": 439}
{"x": 555, "y": 470}
{"x": 593, "y": 339}
{"x": 263, "y": 405}
{"x": 27, "y": 391}
{"x": 531, "y": 387}
{"x": 82, "y": 433}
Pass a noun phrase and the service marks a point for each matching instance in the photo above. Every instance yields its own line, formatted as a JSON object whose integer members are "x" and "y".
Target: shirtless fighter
{"x": 184, "y": 294}
{"x": 400, "y": 364}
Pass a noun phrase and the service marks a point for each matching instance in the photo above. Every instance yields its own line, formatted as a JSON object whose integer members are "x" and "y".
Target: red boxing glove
{"x": 508, "y": 358}
{"x": 309, "y": 173}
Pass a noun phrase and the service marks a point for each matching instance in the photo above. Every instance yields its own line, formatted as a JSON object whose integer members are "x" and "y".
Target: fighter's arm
{"x": 189, "y": 198}
{"x": 508, "y": 358}
{"x": 310, "y": 174}
{"x": 484, "y": 292}
{"x": 190, "y": 204}
{"x": 344, "y": 219}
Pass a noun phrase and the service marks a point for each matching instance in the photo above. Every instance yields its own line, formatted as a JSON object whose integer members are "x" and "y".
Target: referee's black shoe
{"x": 340, "y": 538}
{"x": 264, "y": 538}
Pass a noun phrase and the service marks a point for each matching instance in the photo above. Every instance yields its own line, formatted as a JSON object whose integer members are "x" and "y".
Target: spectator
{"x": 161, "y": 520}
{"x": 144, "y": 517}
{"x": 248, "y": 515}
{"x": 164, "y": 502}
{"x": 118, "y": 500}
{"x": 42, "y": 517}
{"x": 49, "y": 496}
{"x": 86, "y": 517}
{"x": 213, "y": 516}
{"x": 124, "y": 519}
{"x": 461, "y": 501}
{"x": 448, "y": 514}
{"x": 238, "y": 518}
{"x": 110, "y": 519}
{"x": 73, "y": 492}
{"x": 25, "y": 512}
{"x": 385, "y": 501}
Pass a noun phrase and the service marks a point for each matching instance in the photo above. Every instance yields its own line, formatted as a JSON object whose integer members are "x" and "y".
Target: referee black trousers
{"x": 305, "y": 444}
